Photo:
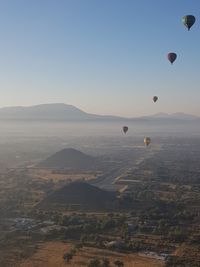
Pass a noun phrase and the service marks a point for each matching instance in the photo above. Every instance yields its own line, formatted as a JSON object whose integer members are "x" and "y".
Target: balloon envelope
{"x": 147, "y": 141}
{"x": 188, "y": 21}
{"x": 125, "y": 129}
{"x": 155, "y": 98}
{"x": 171, "y": 57}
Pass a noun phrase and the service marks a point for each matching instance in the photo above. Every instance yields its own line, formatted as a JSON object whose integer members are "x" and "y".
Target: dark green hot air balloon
{"x": 155, "y": 98}
{"x": 188, "y": 21}
{"x": 171, "y": 57}
{"x": 125, "y": 129}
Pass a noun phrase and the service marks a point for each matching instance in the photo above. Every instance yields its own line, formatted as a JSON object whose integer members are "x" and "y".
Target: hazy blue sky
{"x": 104, "y": 56}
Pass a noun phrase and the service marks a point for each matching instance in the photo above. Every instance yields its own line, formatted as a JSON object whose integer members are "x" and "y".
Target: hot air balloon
{"x": 125, "y": 129}
{"x": 147, "y": 141}
{"x": 188, "y": 21}
{"x": 171, "y": 57}
{"x": 155, "y": 98}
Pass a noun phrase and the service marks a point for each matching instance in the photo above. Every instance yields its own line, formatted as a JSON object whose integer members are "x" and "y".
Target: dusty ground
{"x": 51, "y": 255}
{"x": 47, "y": 174}
{"x": 188, "y": 251}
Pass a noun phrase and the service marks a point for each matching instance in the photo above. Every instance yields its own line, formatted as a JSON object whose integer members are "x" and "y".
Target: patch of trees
{"x": 68, "y": 256}
{"x": 174, "y": 261}
{"x": 93, "y": 225}
{"x": 104, "y": 263}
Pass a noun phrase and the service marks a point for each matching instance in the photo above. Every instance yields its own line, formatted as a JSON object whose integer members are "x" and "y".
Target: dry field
{"x": 47, "y": 174}
{"x": 185, "y": 250}
{"x": 51, "y": 255}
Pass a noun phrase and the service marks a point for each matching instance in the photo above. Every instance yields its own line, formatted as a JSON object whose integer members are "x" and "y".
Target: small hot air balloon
{"x": 125, "y": 129}
{"x": 188, "y": 21}
{"x": 147, "y": 141}
{"x": 155, "y": 98}
{"x": 171, "y": 57}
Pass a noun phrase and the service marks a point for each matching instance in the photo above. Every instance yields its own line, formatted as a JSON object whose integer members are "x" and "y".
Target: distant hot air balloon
{"x": 147, "y": 141}
{"x": 125, "y": 129}
{"x": 188, "y": 21}
{"x": 155, "y": 98}
{"x": 171, "y": 57}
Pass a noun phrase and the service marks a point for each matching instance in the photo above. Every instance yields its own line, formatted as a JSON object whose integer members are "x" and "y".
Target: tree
{"x": 78, "y": 246}
{"x": 67, "y": 256}
{"x": 106, "y": 263}
{"x": 73, "y": 251}
{"x": 119, "y": 263}
{"x": 94, "y": 263}
{"x": 83, "y": 239}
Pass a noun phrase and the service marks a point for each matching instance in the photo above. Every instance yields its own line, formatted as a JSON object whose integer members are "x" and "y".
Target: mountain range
{"x": 65, "y": 112}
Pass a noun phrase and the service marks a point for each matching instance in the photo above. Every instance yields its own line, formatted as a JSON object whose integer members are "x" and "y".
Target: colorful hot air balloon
{"x": 147, "y": 141}
{"x": 155, "y": 98}
{"x": 125, "y": 129}
{"x": 171, "y": 57}
{"x": 188, "y": 21}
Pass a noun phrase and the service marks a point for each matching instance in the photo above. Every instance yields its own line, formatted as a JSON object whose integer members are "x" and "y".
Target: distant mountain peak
{"x": 54, "y": 111}
{"x": 160, "y": 115}
{"x": 177, "y": 115}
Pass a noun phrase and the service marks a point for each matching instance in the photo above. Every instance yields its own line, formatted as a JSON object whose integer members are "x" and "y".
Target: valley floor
{"x": 50, "y": 254}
